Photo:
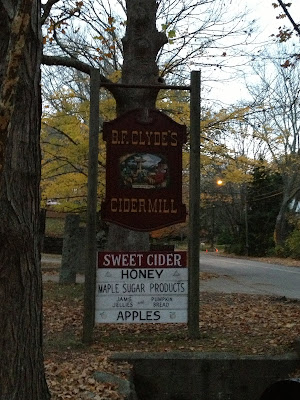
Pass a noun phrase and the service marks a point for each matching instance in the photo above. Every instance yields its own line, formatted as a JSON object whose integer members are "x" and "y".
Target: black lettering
{"x": 145, "y": 315}
{"x": 124, "y": 274}
{"x": 135, "y": 315}
{"x": 171, "y": 287}
{"x": 127, "y": 315}
{"x": 143, "y": 273}
{"x": 133, "y": 274}
{"x": 120, "y": 316}
{"x": 156, "y": 315}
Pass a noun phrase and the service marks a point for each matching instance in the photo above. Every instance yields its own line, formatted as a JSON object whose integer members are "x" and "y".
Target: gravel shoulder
{"x": 288, "y": 262}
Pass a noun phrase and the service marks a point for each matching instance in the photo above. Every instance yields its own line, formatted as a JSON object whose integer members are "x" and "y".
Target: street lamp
{"x": 219, "y": 182}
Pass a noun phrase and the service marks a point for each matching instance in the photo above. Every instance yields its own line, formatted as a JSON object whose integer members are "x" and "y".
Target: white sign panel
{"x": 142, "y": 287}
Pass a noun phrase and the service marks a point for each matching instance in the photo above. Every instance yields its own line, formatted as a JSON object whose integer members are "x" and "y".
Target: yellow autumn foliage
{"x": 65, "y": 143}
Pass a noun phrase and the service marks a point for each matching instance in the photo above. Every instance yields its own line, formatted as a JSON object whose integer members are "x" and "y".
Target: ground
{"x": 244, "y": 324}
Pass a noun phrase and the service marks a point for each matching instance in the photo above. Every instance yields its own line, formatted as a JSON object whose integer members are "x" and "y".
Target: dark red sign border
{"x": 155, "y": 200}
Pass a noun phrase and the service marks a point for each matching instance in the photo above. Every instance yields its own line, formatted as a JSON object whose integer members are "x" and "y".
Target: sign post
{"x": 194, "y": 209}
{"x": 91, "y": 251}
{"x": 144, "y": 156}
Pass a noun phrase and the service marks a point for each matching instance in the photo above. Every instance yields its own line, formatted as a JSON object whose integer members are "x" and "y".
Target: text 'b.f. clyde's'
{"x": 144, "y": 138}
{"x": 144, "y": 171}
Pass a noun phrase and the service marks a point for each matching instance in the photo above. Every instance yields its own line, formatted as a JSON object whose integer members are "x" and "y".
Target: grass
{"x": 62, "y": 341}
{"x": 58, "y": 292}
{"x": 55, "y": 227}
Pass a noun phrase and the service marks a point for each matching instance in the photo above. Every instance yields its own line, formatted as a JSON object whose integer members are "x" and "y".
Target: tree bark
{"x": 21, "y": 371}
{"x": 280, "y": 231}
{"x": 290, "y": 192}
{"x": 141, "y": 44}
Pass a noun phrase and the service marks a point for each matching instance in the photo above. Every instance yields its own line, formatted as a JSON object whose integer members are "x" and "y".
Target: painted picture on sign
{"x": 144, "y": 171}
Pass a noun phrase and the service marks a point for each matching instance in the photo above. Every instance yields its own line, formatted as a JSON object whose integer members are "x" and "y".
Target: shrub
{"x": 293, "y": 244}
{"x": 278, "y": 251}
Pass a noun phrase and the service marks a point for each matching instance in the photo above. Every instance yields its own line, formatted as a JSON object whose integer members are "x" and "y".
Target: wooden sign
{"x": 141, "y": 287}
{"x": 144, "y": 171}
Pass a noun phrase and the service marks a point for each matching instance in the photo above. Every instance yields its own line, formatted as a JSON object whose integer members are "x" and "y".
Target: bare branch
{"x": 58, "y": 131}
{"x": 286, "y": 11}
{"x": 67, "y": 62}
{"x": 79, "y": 65}
{"x": 47, "y": 8}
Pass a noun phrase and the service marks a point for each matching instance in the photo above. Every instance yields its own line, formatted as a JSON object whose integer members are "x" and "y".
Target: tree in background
{"x": 264, "y": 194}
{"x": 65, "y": 141}
{"x": 229, "y": 154}
{"x": 94, "y": 34}
{"x": 276, "y": 122}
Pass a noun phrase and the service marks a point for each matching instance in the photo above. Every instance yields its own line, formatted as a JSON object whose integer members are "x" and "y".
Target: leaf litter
{"x": 235, "y": 323}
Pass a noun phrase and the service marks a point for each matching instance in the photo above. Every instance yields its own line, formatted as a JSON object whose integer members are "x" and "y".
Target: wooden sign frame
{"x": 144, "y": 171}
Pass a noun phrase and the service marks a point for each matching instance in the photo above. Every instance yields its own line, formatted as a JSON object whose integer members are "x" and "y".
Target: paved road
{"x": 235, "y": 276}
{"x": 247, "y": 276}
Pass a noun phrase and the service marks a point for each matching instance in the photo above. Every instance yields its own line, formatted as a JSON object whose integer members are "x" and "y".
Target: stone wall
{"x": 205, "y": 376}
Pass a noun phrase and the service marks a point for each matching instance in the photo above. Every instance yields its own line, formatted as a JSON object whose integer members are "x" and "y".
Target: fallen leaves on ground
{"x": 244, "y": 324}
{"x": 288, "y": 262}
{"x": 71, "y": 376}
{"x": 205, "y": 276}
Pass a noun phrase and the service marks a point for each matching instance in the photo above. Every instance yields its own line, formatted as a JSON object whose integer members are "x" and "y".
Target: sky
{"x": 263, "y": 12}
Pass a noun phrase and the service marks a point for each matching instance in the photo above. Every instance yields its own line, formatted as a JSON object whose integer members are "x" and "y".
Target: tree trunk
{"x": 290, "y": 191}
{"x": 21, "y": 371}
{"x": 280, "y": 232}
{"x": 141, "y": 44}
{"x": 281, "y": 225}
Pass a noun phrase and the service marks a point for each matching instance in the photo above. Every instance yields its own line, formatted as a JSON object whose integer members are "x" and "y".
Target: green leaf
{"x": 172, "y": 33}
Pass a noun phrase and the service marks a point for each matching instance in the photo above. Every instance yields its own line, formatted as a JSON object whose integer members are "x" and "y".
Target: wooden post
{"x": 194, "y": 208}
{"x": 91, "y": 249}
